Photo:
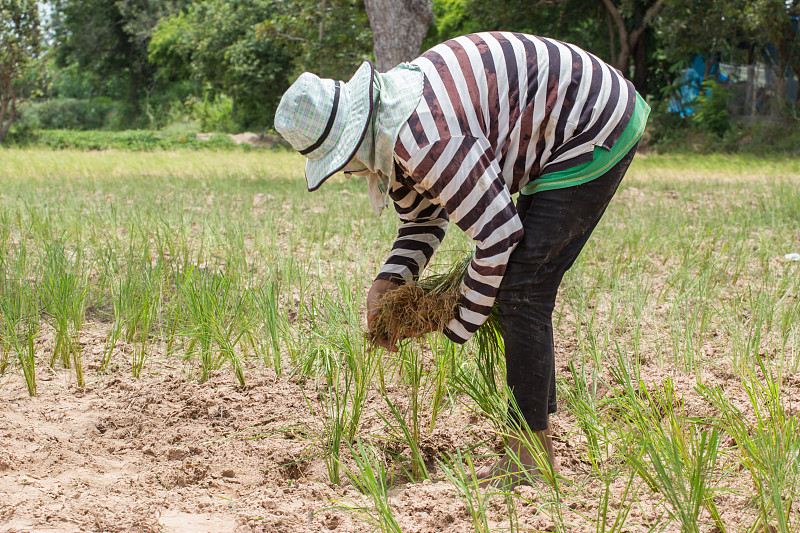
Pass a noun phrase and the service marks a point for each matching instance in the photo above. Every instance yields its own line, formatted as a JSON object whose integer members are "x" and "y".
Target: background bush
{"x": 136, "y": 140}
{"x": 72, "y": 113}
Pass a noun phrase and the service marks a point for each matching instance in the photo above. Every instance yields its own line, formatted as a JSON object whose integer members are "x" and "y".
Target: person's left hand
{"x": 378, "y": 289}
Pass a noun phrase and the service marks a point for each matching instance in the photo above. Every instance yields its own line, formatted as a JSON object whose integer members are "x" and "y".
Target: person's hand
{"x": 378, "y": 289}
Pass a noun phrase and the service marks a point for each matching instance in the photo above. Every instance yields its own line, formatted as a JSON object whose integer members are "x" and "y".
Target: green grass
{"x": 223, "y": 261}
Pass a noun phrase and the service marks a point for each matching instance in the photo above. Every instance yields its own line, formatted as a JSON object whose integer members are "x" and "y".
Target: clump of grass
{"x": 19, "y": 326}
{"x": 218, "y": 317}
{"x": 676, "y": 457}
{"x": 370, "y": 476}
{"x": 426, "y": 306}
{"x": 273, "y": 326}
{"x": 137, "y": 302}
{"x": 63, "y": 293}
{"x": 411, "y": 311}
{"x": 337, "y": 356}
{"x": 767, "y": 443}
{"x": 461, "y": 472}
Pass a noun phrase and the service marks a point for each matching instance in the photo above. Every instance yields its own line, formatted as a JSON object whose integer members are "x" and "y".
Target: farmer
{"x": 451, "y": 136}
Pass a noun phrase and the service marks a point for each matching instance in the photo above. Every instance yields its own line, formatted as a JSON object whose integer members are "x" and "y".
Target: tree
{"x": 109, "y": 40}
{"x": 20, "y": 39}
{"x": 329, "y": 37}
{"x": 581, "y": 22}
{"x": 776, "y": 24}
{"x": 398, "y": 27}
{"x": 219, "y": 45}
{"x": 632, "y": 19}
{"x": 688, "y": 27}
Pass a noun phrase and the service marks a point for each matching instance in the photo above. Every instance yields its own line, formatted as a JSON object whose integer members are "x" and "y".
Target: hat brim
{"x": 355, "y": 109}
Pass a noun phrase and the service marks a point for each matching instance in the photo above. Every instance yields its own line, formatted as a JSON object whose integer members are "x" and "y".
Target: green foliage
{"x": 222, "y": 65}
{"x": 451, "y": 18}
{"x": 108, "y": 40}
{"x": 216, "y": 44}
{"x": 19, "y": 43}
{"x": 329, "y": 37}
{"x": 712, "y": 114}
{"x": 23, "y": 131}
{"x": 213, "y": 115}
{"x": 775, "y": 22}
{"x": 71, "y": 113}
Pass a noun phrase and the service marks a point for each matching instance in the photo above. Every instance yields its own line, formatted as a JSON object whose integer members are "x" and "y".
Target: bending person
{"x": 453, "y": 135}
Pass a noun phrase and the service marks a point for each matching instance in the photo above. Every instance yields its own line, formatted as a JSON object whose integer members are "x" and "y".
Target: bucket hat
{"x": 326, "y": 120}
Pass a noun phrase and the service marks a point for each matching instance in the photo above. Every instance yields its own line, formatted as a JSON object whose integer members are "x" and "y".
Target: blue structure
{"x": 692, "y": 84}
{"x": 692, "y": 78}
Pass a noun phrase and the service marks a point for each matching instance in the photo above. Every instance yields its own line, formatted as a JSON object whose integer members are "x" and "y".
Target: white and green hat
{"x": 326, "y": 120}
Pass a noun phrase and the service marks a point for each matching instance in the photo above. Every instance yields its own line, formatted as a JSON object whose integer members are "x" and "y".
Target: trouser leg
{"x": 557, "y": 225}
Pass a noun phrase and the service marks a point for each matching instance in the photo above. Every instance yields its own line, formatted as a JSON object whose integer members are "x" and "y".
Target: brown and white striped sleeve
{"x": 461, "y": 174}
{"x": 424, "y": 224}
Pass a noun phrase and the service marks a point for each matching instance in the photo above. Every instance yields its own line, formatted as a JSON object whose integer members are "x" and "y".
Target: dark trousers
{"x": 557, "y": 225}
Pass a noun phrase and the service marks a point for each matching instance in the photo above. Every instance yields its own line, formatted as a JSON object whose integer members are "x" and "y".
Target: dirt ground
{"x": 165, "y": 454}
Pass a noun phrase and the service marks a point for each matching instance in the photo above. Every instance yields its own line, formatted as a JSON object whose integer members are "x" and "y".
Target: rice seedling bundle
{"x": 427, "y": 305}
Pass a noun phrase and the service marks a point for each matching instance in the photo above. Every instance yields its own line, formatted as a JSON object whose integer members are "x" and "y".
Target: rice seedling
{"x": 412, "y": 372}
{"x": 19, "y": 307}
{"x": 272, "y": 326}
{"x": 426, "y": 306}
{"x": 461, "y": 472}
{"x": 476, "y": 383}
{"x": 608, "y": 500}
{"x": 444, "y": 362}
{"x": 336, "y": 356}
{"x": 422, "y": 388}
{"x": 217, "y": 317}
{"x": 334, "y": 418}
{"x": 5, "y": 341}
{"x": 528, "y": 462}
{"x": 343, "y": 405}
{"x": 582, "y": 401}
{"x": 63, "y": 293}
{"x": 5, "y": 354}
{"x": 768, "y": 445}
{"x": 137, "y": 303}
{"x": 404, "y": 428}
{"x": 676, "y": 458}
{"x": 370, "y": 476}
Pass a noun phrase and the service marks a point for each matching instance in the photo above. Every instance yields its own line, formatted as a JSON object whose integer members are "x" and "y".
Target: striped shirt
{"x": 498, "y": 110}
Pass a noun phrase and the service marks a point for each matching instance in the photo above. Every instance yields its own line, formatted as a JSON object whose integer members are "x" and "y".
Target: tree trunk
{"x": 779, "y": 103}
{"x": 708, "y": 62}
{"x": 7, "y": 107}
{"x": 398, "y": 27}
{"x": 640, "y": 65}
{"x": 321, "y": 32}
{"x": 611, "y": 45}
{"x": 750, "y": 91}
{"x": 5, "y": 126}
{"x": 629, "y": 40}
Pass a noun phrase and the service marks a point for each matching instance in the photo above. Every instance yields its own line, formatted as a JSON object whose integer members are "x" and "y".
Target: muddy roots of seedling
{"x": 411, "y": 311}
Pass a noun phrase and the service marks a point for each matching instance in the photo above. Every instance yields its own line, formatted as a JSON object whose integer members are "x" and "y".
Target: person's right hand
{"x": 378, "y": 289}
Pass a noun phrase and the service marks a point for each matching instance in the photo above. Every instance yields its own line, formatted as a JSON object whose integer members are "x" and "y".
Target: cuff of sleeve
{"x": 391, "y": 276}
